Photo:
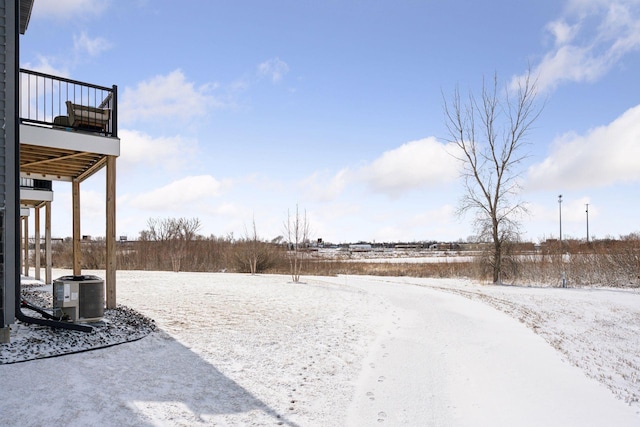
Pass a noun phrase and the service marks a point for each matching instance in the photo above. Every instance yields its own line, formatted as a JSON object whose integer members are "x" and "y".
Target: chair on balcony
{"x": 61, "y": 122}
{"x": 84, "y": 117}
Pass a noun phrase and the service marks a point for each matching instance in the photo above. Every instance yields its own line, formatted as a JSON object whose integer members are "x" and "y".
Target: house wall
{"x": 9, "y": 203}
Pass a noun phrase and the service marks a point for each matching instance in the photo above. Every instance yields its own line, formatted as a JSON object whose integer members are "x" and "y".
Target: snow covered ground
{"x": 235, "y": 350}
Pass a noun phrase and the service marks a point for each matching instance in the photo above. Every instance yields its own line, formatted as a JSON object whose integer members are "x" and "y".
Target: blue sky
{"x": 235, "y": 111}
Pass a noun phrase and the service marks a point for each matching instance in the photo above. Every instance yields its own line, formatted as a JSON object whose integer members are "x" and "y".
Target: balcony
{"x": 36, "y": 184}
{"x": 67, "y": 127}
{"x": 35, "y": 192}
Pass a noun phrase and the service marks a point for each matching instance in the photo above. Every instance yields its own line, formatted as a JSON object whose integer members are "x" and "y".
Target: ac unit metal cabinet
{"x": 79, "y": 298}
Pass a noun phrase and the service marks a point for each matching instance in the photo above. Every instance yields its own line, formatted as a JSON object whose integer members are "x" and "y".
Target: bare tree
{"x": 490, "y": 133}
{"x": 174, "y": 237}
{"x": 252, "y": 254}
{"x": 252, "y": 247}
{"x": 296, "y": 231}
{"x": 184, "y": 235}
{"x": 253, "y": 244}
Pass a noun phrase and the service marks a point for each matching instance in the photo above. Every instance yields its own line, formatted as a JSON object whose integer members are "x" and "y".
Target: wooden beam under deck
{"x": 56, "y": 163}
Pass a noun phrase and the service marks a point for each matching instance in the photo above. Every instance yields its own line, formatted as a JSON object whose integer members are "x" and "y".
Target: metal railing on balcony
{"x": 57, "y": 102}
{"x": 36, "y": 184}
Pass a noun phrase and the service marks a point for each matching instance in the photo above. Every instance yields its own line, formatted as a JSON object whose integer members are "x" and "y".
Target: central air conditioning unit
{"x": 79, "y": 298}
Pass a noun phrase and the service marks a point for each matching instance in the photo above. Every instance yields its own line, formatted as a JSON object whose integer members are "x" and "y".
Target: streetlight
{"x": 587, "y": 222}
{"x": 560, "y": 210}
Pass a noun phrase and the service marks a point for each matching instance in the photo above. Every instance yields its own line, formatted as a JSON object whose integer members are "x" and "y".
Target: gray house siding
{"x": 9, "y": 203}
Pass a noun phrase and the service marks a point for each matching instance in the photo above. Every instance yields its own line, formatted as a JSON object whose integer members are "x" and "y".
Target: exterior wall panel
{"x": 8, "y": 159}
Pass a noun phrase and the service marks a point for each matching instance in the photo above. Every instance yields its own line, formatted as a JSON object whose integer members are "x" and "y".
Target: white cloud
{"x": 45, "y": 65}
{"x": 562, "y": 32}
{"x": 590, "y": 39}
{"x": 319, "y": 187}
{"x": 34, "y": 90}
{"x": 93, "y": 46}
{"x": 604, "y": 156}
{"x": 92, "y": 210}
{"x": 416, "y": 164}
{"x": 439, "y": 215}
{"x": 187, "y": 192}
{"x": 274, "y": 69}
{"x": 424, "y": 163}
{"x": 69, "y": 9}
{"x": 93, "y": 204}
{"x": 226, "y": 209}
{"x": 138, "y": 148}
{"x": 433, "y": 223}
{"x": 83, "y": 47}
{"x": 570, "y": 63}
{"x": 573, "y": 211}
{"x": 168, "y": 97}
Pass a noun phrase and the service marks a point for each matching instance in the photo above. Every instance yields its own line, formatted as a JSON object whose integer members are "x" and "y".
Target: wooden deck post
{"x": 21, "y": 231}
{"x": 47, "y": 243}
{"x": 25, "y": 238}
{"x": 77, "y": 255}
{"x": 36, "y": 234}
{"x": 111, "y": 233}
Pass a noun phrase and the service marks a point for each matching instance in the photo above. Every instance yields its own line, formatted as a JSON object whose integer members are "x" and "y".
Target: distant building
{"x": 360, "y": 247}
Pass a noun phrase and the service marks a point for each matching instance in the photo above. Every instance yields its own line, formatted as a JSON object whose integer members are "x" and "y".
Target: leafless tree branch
{"x": 491, "y": 152}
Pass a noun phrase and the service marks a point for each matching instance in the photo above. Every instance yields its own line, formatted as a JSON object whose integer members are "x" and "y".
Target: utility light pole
{"x": 560, "y": 210}
{"x": 587, "y": 222}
